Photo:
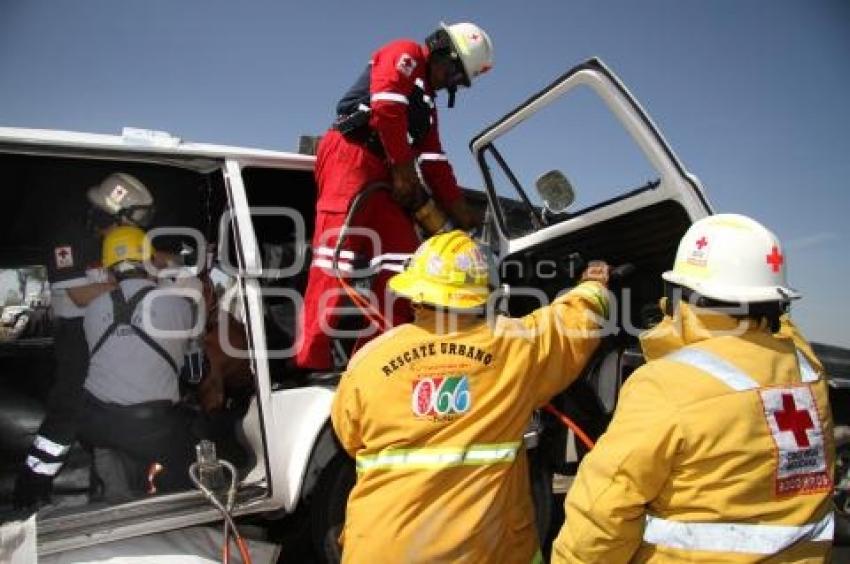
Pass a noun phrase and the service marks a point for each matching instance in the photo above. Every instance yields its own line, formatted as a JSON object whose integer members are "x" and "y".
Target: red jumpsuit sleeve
{"x": 394, "y": 71}
{"x": 435, "y": 166}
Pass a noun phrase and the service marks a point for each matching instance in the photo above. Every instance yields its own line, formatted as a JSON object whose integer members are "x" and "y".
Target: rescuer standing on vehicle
{"x": 76, "y": 279}
{"x": 434, "y": 412}
{"x": 386, "y": 130}
{"x": 721, "y": 448}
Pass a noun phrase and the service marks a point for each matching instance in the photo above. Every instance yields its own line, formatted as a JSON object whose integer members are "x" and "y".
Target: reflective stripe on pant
{"x": 58, "y": 430}
{"x": 394, "y": 235}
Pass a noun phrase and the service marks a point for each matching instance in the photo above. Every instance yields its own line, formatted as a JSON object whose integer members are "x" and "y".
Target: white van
{"x": 252, "y": 211}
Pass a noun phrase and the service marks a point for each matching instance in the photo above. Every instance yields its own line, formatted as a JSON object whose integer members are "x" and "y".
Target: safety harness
{"x": 122, "y": 314}
{"x": 354, "y": 111}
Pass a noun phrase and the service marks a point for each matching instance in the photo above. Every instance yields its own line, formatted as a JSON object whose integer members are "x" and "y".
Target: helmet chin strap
{"x": 452, "y": 91}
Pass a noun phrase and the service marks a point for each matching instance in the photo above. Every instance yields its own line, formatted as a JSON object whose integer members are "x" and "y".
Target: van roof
{"x": 144, "y": 142}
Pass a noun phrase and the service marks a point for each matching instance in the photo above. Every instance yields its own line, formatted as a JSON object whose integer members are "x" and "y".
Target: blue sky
{"x": 752, "y": 95}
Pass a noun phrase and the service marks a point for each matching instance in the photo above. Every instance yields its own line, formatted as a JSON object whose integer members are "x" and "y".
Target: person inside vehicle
{"x": 387, "y": 132}
{"x": 76, "y": 279}
{"x": 137, "y": 346}
{"x": 434, "y": 411}
{"x": 721, "y": 447}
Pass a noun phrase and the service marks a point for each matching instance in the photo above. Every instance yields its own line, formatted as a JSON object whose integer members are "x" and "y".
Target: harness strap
{"x": 122, "y": 314}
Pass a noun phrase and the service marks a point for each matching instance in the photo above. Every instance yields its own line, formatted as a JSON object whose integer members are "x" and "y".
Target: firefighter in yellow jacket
{"x": 434, "y": 412}
{"x": 721, "y": 448}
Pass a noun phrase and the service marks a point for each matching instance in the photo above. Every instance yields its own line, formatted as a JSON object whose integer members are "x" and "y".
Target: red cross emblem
{"x": 406, "y": 64}
{"x": 775, "y": 259}
{"x": 63, "y": 256}
{"x": 789, "y": 419}
{"x": 702, "y": 243}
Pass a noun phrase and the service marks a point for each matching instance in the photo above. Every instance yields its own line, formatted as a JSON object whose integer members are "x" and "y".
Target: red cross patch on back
{"x": 792, "y": 417}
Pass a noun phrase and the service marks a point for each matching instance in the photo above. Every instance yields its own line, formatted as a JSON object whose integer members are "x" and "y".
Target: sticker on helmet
{"x": 115, "y": 197}
{"x": 435, "y": 265}
{"x": 775, "y": 259}
{"x": 792, "y": 417}
{"x": 406, "y": 64}
{"x": 118, "y": 193}
{"x": 463, "y": 262}
{"x": 699, "y": 254}
{"x": 64, "y": 257}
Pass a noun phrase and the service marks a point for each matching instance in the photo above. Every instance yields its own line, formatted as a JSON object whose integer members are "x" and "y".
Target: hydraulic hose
{"x": 569, "y": 424}
{"x": 225, "y": 509}
{"x": 368, "y": 310}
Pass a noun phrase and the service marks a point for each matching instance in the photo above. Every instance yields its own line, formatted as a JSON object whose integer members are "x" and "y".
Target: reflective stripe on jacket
{"x": 435, "y": 420}
{"x": 720, "y": 449}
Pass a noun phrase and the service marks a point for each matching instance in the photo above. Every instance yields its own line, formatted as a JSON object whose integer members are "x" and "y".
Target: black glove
{"x": 31, "y": 489}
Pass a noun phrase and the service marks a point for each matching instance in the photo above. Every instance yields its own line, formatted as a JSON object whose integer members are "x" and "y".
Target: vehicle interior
{"x": 40, "y": 190}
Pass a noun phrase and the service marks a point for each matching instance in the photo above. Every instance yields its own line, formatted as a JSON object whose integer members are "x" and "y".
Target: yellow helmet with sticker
{"x": 448, "y": 270}
{"x": 125, "y": 243}
{"x": 731, "y": 258}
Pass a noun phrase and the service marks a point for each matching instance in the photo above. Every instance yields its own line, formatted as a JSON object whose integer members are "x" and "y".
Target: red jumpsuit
{"x": 397, "y": 89}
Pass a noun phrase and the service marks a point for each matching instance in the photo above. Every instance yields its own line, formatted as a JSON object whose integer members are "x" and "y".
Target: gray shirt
{"x": 126, "y": 370}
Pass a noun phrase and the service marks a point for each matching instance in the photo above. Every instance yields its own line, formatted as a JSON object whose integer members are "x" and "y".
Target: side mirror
{"x": 555, "y": 191}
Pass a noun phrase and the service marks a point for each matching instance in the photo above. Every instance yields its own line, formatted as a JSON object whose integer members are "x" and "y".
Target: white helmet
{"x": 473, "y": 47}
{"x": 731, "y": 258}
{"x": 123, "y": 197}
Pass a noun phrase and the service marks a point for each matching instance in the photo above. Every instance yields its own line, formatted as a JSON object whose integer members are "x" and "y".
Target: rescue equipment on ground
{"x": 207, "y": 473}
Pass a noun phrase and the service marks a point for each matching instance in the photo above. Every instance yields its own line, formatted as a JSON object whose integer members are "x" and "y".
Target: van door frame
{"x": 679, "y": 184}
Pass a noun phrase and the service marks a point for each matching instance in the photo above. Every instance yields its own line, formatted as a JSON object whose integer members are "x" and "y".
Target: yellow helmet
{"x": 125, "y": 243}
{"x": 448, "y": 270}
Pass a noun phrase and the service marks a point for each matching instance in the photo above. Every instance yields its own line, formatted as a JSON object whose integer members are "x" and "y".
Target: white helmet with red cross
{"x": 473, "y": 48}
{"x": 731, "y": 258}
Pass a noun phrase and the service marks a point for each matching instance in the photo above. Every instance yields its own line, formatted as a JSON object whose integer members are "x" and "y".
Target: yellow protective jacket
{"x": 435, "y": 421}
{"x": 720, "y": 450}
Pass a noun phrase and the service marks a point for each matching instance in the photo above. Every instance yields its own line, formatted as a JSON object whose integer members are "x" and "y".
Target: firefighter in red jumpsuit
{"x": 386, "y": 132}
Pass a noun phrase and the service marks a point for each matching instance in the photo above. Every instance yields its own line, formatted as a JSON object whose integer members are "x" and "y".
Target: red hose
{"x": 370, "y": 312}
{"x": 570, "y": 424}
